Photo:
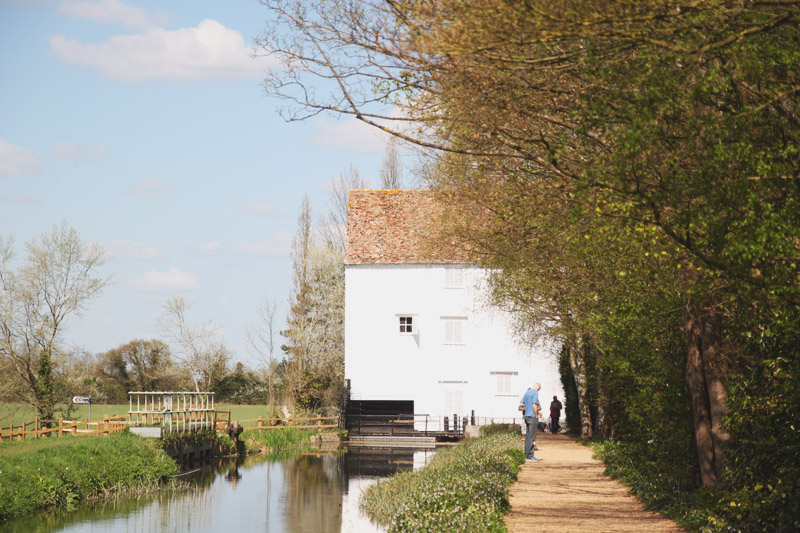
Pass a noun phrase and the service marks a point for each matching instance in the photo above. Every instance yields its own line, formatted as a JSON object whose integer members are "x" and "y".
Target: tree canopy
{"x": 626, "y": 166}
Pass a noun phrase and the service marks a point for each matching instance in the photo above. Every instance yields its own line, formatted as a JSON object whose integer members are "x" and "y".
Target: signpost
{"x": 84, "y": 400}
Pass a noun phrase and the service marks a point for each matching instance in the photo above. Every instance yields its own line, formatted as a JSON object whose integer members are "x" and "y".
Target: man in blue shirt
{"x": 530, "y": 400}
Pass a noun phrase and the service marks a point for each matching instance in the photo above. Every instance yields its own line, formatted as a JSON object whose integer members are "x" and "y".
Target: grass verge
{"x": 67, "y": 470}
{"x": 464, "y": 488}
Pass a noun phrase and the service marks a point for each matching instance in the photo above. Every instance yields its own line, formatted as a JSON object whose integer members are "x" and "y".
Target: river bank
{"x": 60, "y": 472}
{"x": 63, "y": 471}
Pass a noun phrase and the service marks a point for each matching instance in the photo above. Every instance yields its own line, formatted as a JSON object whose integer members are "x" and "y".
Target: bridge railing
{"x": 173, "y": 411}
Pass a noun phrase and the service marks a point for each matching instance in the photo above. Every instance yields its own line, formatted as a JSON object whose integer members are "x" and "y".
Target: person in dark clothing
{"x": 555, "y": 414}
{"x": 234, "y": 430}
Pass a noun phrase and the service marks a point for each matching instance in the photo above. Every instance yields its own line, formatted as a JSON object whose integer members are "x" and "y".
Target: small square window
{"x": 407, "y": 324}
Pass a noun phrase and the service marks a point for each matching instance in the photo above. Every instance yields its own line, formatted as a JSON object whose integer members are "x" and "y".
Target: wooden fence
{"x": 114, "y": 424}
{"x": 36, "y": 429}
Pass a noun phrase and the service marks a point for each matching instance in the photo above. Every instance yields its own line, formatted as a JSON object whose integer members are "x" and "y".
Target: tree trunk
{"x": 45, "y": 395}
{"x": 704, "y": 372}
{"x": 577, "y": 361}
{"x": 713, "y": 370}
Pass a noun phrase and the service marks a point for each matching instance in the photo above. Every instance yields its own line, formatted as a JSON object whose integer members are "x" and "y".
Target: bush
{"x": 500, "y": 429}
{"x": 465, "y": 488}
{"x": 762, "y": 478}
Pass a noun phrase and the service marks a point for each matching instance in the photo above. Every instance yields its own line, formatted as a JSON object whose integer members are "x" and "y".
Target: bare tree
{"x": 201, "y": 351}
{"x": 261, "y": 340}
{"x": 392, "y": 170}
{"x": 57, "y": 280}
{"x": 334, "y": 224}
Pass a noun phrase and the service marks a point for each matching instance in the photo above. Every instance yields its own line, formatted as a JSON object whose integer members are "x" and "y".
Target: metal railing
{"x": 173, "y": 411}
{"x": 405, "y": 424}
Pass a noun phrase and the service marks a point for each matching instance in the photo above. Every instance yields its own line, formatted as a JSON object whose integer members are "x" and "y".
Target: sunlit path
{"x": 567, "y": 491}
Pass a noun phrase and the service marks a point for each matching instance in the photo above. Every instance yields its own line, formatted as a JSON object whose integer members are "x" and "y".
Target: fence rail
{"x": 100, "y": 426}
{"x": 222, "y": 419}
{"x": 114, "y": 424}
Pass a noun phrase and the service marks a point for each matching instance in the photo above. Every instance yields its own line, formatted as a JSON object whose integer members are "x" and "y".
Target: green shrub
{"x": 464, "y": 488}
{"x": 762, "y": 478}
{"x": 500, "y": 429}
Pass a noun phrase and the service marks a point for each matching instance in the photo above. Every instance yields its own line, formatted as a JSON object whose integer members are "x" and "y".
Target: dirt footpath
{"x": 567, "y": 491}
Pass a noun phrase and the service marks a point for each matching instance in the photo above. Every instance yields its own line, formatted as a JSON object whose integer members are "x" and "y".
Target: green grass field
{"x": 18, "y": 413}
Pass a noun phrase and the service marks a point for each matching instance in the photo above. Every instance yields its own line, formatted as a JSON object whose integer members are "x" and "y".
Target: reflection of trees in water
{"x": 303, "y": 493}
{"x": 313, "y": 493}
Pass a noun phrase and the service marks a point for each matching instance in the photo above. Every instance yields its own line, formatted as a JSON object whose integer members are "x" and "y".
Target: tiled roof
{"x": 395, "y": 227}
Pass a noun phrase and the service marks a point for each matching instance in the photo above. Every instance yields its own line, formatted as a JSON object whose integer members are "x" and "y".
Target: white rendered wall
{"x": 383, "y": 364}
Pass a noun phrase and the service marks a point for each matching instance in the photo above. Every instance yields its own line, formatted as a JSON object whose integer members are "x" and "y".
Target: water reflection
{"x": 315, "y": 492}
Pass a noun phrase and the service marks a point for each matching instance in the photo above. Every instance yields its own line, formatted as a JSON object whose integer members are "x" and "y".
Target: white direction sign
{"x": 81, "y": 399}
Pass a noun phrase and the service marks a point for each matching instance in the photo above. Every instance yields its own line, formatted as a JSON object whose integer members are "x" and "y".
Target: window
{"x": 453, "y": 402}
{"x": 453, "y": 277}
{"x": 504, "y": 382}
{"x": 408, "y": 324}
{"x": 454, "y": 330}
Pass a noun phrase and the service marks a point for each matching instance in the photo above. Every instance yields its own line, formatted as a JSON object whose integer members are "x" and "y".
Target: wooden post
{"x": 105, "y": 425}
{"x": 60, "y": 427}
{"x": 36, "y": 435}
{"x": 259, "y": 421}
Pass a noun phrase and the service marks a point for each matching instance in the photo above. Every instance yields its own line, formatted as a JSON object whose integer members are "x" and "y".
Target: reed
{"x": 272, "y": 441}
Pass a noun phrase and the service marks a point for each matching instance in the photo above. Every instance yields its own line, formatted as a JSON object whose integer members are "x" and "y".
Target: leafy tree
{"x": 675, "y": 122}
{"x": 142, "y": 365}
{"x": 58, "y": 279}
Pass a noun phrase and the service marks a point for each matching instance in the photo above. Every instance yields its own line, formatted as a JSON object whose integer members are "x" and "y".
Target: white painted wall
{"x": 383, "y": 364}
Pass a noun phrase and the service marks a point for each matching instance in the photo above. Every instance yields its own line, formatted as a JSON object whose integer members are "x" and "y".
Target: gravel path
{"x": 567, "y": 491}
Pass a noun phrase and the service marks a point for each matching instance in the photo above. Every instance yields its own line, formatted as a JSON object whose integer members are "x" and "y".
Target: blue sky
{"x": 144, "y": 126}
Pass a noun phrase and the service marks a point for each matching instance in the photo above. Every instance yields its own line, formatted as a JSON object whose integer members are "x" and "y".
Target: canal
{"x": 313, "y": 492}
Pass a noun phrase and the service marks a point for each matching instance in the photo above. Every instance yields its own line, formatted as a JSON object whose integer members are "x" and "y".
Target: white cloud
{"x": 112, "y": 12}
{"x": 207, "y": 51}
{"x": 150, "y": 188}
{"x": 122, "y": 249}
{"x": 259, "y": 208}
{"x": 207, "y": 249}
{"x": 20, "y": 199}
{"x": 277, "y": 244}
{"x": 16, "y": 160}
{"x": 173, "y": 279}
{"x": 78, "y": 153}
{"x": 350, "y": 133}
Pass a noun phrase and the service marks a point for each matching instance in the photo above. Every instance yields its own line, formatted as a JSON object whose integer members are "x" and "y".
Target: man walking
{"x": 530, "y": 402}
{"x": 555, "y": 415}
